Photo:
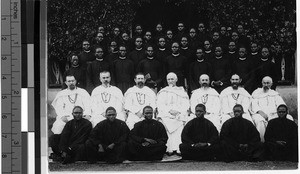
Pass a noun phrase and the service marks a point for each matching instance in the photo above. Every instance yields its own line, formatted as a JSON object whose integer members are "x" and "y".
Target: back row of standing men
{"x": 187, "y": 56}
{"x": 173, "y": 106}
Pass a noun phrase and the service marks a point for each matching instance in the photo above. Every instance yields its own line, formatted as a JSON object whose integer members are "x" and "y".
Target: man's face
{"x": 105, "y": 78}
{"x": 240, "y": 29}
{"x": 158, "y": 27}
{"x": 180, "y": 27}
{"x": 138, "y": 42}
{"x": 140, "y": 80}
{"x": 235, "y": 81}
{"x": 148, "y": 35}
{"x": 184, "y": 41}
{"x": 201, "y": 27}
{"x": 204, "y": 81}
{"x": 125, "y": 36}
{"x": 122, "y": 51}
{"x": 206, "y": 45}
{"x": 113, "y": 45}
{"x": 231, "y": 46}
{"x": 234, "y": 36}
{"x": 216, "y": 36}
{"x": 265, "y": 52}
{"x": 77, "y": 113}
{"x": 99, "y": 53}
{"x": 254, "y": 48}
{"x": 171, "y": 80}
{"x": 138, "y": 29}
{"x": 282, "y": 112}
{"x": 101, "y": 29}
{"x": 200, "y": 112}
{"x": 266, "y": 84}
{"x": 238, "y": 112}
{"x": 116, "y": 31}
{"x": 192, "y": 32}
{"x": 223, "y": 30}
{"x": 149, "y": 51}
{"x": 199, "y": 54}
{"x": 70, "y": 82}
{"x": 175, "y": 47}
{"x": 74, "y": 60}
{"x": 169, "y": 34}
{"x": 162, "y": 42}
{"x": 99, "y": 37}
{"x": 86, "y": 46}
{"x": 242, "y": 52}
{"x": 218, "y": 51}
{"x": 111, "y": 115}
{"x": 148, "y": 113}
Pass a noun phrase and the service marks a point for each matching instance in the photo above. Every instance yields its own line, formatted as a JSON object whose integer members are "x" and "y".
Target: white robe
{"x": 135, "y": 100}
{"x": 210, "y": 98}
{"x": 230, "y": 97}
{"x": 102, "y": 98}
{"x": 268, "y": 103}
{"x": 173, "y": 98}
{"x": 64, "y": 103}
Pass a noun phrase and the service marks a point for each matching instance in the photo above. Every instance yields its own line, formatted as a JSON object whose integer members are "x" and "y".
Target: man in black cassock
{"x": 148, "y": 138}
{"x": 86, "y": 54}
{"x": 73, "y": 137}
{"x": 94, "y": 69}
{"x": 107, "y": 140}
{"x": 200, "y": 138}
{"x": 152, "y": 69}
{"x": 122, "y": 71}
{"x": 281, "y": 137}
{"x": 240, "y": 139}
{"x": 138, "y": 53}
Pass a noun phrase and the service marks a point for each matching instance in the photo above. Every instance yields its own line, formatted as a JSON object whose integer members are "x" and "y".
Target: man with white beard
{"x": 264, "y": 105}
{"x": 136, "y": 98}
{"x": 173, "y": 105}
{"x": 210, "y": 98}
{"x": 104, "y": 96}
{"x": 233, "y": 95}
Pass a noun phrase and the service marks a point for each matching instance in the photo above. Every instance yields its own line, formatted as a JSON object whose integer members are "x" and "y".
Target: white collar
{"x": 75, "y": 66}
{"x": 200, "y": 60}
{"x": 139, "y": 49}
{"x": 122, "y": 57}
{"x": 87, "y": 51}
{"x": 114, "y": 52}
{"x": 150, "y": 57}
{"x": 242, "y": 58}
{"x": 219, "y": 57}
{"x": 162, "y": 49}
{"x": 209, "y": 51}
{"x": 231, "y": 52}
{"x": 99, "y": 59}
{"x": 264, "y": 59}
{"x": 175, "y": 54}
{"x": 184, "y": 48}
{"x": 254, "y": 53}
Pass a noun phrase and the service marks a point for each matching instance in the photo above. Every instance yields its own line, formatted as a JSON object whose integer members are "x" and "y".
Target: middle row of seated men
{"x": 172, "y": 103}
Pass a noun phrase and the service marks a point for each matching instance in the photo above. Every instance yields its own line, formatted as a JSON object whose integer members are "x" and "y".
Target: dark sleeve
{"x": 228, "y": 72}
{"x": 96, "y": 135}
{"x": 65, "y": 137}
{"x": 225, "y": 134}
{"x": 134, "y": 134}
{"x": 163, "y": 134}
{"x": 124, "y": 133}
{"x": 89, "y": 76}
{"x": 185, "y": 137}
{"x": 254, "y": 136}
{"x": 269, "y": 132}
{"x": 213, "y": 134}
{"x": 191, "y": 82}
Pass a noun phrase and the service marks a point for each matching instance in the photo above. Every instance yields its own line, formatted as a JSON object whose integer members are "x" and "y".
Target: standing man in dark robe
{"x": 162, "y": 53}
{"x": 240, "y": 139}
{"x": 107, "y": 140}
{"x": 148, "y": 138}
{"x": 254, "y": 56}
{"x": 197, "y": 68}
{"x": 221, "y": 70}
{"x": 281, "y": 137}
{"x": 232, "y": 53}
{"x": 186, "y": 51}
{"x": 180, "y": 32}
{"x": 202, "y": 33}
{"x": 152, "y": 69}
{"x": 208, "y": 53}
{"x": 73, "y": 137}
{"x": 169, "y": 39}
{"x": 100, "y": 41}
{"x": 113, "y": 52}
{"x": 193, "y": 40}
{"x": 200, "y": 138}
{"x": 138, "y": 53}
{"x": 94, "y": 69}
{"x": 123, "y": 71}
{"x": 176, "y": 63}
{"x": 86, "y": 55}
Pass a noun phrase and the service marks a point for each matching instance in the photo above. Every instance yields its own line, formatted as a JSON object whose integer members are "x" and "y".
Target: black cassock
{"x": 136, "y": 56}
{"x": 106, "y": 133}
{"x": 282, "y": 129}
{"x": 73, "y": 137}
{"x": 93, "y": 73}
{"x": 147, "y": 129}
{"x": 221, "y": 70}
{"x": 176, "y": 64}
{"x": 79, "y": 74}
{"x": 196, "y": 69}
{"x": 265, "y": 68}
{"x": 200, "y": 130}
{"x": 244, "y": 68}
{"x": 236, "y": 131}
{"x": 123, "y": 74}
{"x": 85, "y": 57}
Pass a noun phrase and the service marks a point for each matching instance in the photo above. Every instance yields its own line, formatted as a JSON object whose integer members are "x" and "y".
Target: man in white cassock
{"x": 173, "y": 105}
{"x": 264, "y": 105}
{"x": 104, "y": 96}
{"x": 233, "y": 95}
{"x": 136, "y": 98}
{"x": 65, "y": 101}
{"x": 210, "y": 98}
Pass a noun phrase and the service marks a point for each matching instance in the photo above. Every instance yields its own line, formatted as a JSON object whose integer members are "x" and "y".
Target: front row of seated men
{"x": 113, "y": 142}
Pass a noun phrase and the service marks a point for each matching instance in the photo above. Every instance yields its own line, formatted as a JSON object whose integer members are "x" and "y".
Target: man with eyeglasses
{"x": 264, "y": 104}
{"x": 282, "y": 137}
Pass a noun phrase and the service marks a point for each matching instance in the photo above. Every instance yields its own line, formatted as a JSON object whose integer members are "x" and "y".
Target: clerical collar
{"x": 114, "y": 52}
{"x": 184, "y": 48}
{"x": 139, "y": 49}
{"x": 242, "y": 58}
{"x": 231, "y": 52}
{"x": 200, "y": 60}
{"x": 75, "y": 66}
{"x": 218, "y": 57}
{"x": 87, "y": 51}
{"x": 209, "y": 51}
{"x": 149, "y": 58}
{"x": 264, "y": 59}
{"x": 99, "y": 59}
{"x": 254, "y": 53}
{"x": 122, "y": 57}
{"x": 162, "y": 49}
{"x": 175, "y": 54}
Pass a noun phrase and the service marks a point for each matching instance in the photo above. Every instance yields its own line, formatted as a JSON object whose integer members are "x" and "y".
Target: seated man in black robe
{"x": 240, "y": 139}
{"x": 200, "y": 138}
{"x": 148, "y": 138}
{"x": 73, "y": 137}
{"x": 282, "y": 137}
{"x": 107, "y": 140}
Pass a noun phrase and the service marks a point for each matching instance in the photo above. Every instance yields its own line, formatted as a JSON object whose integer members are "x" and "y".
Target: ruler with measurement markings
{"x": 11, "y": 86}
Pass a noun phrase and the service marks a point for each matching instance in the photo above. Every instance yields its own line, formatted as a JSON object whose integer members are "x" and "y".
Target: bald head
{"x": 204, "y": 80}
{"x": 267, "y": 83}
